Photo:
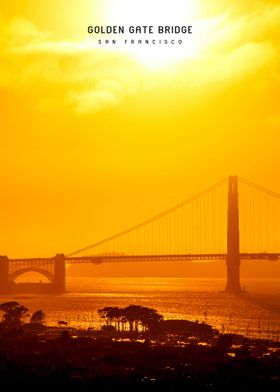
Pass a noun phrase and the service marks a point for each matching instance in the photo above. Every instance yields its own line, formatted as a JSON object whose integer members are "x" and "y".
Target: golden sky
{"x": 94, "y": 140}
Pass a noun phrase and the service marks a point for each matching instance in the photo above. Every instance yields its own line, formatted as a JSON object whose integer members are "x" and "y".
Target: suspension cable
{"x": 259, "y": 187}
{"x": 154, "y": 218}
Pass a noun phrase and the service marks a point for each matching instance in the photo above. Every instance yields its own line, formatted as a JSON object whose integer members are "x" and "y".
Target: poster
{"x": 139, "y": 168}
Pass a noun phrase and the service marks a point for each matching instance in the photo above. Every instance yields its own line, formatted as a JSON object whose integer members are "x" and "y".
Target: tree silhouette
{"x": 111, "y": 314}
{"x": 107, "y": 314}
{"x": 150, "y": 318}
{"x": 13, "y": 314}
{"x": 38, "y": 317}
{"x": 117, "y": 315}
{"x": 133, "y": 315}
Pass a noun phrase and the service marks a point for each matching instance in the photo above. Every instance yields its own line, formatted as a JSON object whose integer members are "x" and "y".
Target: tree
{"x": 150, "y": 318}
{"x": 134, "y": 315}
{"x": 147, "y": 317}
{"x": 38, "y": 317}
{"x": 107, "y": 314}
{"x": 117, "y": 315}
{"x": 13, "y": 314}
{"x": 111, "y": 314}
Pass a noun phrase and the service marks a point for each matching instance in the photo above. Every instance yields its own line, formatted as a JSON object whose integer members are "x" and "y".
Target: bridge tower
{"x": 59, "y": 274}
{"x": 4, "y": 275}
{"x": 233, "y": 255}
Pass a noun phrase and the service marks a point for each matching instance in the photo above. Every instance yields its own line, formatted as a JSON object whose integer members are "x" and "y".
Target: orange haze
{"x": 94, "y": 141}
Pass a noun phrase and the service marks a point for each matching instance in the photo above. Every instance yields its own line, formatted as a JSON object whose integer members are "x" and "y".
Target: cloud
{"x": 240, "y": 62}
{"x": 72, "y": 74}
{"x": 20, "y": 32}
{"x": 230, "y": 31}
{"x": 232, "y": 46}
{"x": 106, "y": 94}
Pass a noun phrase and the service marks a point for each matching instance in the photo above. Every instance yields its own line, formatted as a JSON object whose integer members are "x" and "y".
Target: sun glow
{"x": 143, "y": 12}
{"x": 158, "y": 53}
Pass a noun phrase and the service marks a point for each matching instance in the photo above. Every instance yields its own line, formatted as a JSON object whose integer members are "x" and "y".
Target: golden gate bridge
{"x": 232, "y": 220}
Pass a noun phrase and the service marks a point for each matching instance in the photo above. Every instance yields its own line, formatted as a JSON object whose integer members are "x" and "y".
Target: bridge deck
{"x": 97, "y": 259}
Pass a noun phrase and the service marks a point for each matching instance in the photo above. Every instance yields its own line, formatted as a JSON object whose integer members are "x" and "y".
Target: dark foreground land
{"x": 93, "y": 361}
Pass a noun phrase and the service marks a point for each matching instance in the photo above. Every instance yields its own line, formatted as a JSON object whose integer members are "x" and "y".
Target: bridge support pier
{"x": 4, "y": 275}
{"x": 59, "y": 274}
{"x": 233, "y": 254}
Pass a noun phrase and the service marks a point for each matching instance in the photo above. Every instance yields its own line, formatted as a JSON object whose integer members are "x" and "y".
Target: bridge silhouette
{"x": 215, "y": 224}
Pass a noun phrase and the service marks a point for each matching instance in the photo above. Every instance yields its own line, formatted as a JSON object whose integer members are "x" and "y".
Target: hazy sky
{"x": 95, "y": 140}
